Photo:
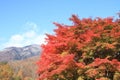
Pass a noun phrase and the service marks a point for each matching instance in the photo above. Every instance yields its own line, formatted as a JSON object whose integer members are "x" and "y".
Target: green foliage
{"x": 17, "y": 78}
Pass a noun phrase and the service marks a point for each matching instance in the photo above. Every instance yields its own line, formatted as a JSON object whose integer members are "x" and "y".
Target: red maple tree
{"x": 87, "y": 50}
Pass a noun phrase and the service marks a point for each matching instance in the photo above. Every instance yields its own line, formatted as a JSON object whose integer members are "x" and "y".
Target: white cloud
{"x": 26, "y": 38}
{"x": 16, "y": 38}
{"x": 30, "y": 34}
{"x": 31, "y": 26}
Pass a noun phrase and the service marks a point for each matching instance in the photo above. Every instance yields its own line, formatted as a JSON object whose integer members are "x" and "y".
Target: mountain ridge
{"x": 19, "y": 53}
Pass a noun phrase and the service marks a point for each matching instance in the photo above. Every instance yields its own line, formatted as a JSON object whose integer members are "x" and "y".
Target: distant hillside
{"x": 25, "y": 68}
{"x": 19, "y": 53}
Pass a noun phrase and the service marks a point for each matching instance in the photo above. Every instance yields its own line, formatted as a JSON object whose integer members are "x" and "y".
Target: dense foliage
{"x": 18, "y": 70}
{"x": 87, "y": 50}
{"x": 5, "y": 71}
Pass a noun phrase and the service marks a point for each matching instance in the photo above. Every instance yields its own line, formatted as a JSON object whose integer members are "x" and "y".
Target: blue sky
{"x": 24, "y": 22}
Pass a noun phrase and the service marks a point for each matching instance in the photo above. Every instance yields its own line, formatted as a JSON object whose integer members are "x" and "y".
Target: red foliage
{"x": 97, "y": 62}
{"x": 87, "y": 44}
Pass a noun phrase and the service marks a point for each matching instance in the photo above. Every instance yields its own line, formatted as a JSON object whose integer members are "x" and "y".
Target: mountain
{"x": 19, "y": 53}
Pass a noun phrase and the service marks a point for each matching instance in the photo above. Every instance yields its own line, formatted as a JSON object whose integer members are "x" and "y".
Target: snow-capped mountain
{"x": 19, "y": 53}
